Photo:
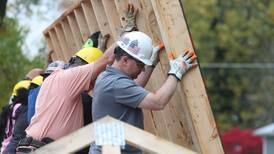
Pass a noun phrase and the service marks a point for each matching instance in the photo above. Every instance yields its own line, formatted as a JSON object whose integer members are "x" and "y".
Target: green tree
{"x": 235, "y": 32}
{"x": 13, "y": 64}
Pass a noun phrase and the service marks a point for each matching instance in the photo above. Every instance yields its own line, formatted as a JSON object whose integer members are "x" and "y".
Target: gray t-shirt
{"x": 117, "y": 95}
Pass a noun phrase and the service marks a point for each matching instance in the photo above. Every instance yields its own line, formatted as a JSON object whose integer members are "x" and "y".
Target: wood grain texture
{"x": 176, "y": 36}
{"x": 101, "y": 18}
{"x": 134, "y": 136}
{"x": 76, "y": 31}
{"x": 82, "y": 23}
{"x": 62, "y": 41}
{"x": 56, "y": 44}
{"x": 49, "y": 45}
{"x": 90, "y": 16}
{"x": 71, "y": 44}
{"x": 187, "y": 120}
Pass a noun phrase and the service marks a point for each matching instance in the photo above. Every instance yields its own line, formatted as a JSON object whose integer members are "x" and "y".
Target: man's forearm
{"x": 143, "y": 78}
{"x": 166, "y": 91}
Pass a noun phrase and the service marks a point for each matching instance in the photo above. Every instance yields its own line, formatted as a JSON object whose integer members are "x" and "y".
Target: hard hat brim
{"x": 145, "y": 61}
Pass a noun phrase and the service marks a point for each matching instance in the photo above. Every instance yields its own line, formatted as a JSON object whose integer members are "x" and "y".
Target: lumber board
{"x": 175, "y": 32}
{"x": 50, "y": 46}
{"x": 71, "y": 143}
{"x": 62, "y": 40}
{"x": 71, "y": 44}
{"x": 62, "y": 16}
{"x": 169, "y": 124}
{"x": 90, "y": 16}
{"x": 76, "y": 31}
{"x": 112, "y": 17}
{"x": 82, "y": 23}
{"x": 56, "y": 44}
{"x": 134, "y": 136}
{"x": 101, "y": 18}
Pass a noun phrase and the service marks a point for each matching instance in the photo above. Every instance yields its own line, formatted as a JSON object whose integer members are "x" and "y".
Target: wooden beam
{"x": 176, "y": 37}
{"x": 63, "y": 16}
{"x": 121, "y": 7}
{"x": 49, "y": 45}
{"x": 90, "y": 16}
{"x": 82, "y": 23}
{"x": 62, "y": 41}
{"x": 71, "y": 143}
{"x": 76, "y": 31}
{"x": 134, "y": 136}
{"x": 56, "y": 45}
{"x": 172, "y": 121}
{"x": 149, "y": 142}
{"x": 69, "y": 38}
{"x": 113, "y": 18}
{"x": 101, "y": 18}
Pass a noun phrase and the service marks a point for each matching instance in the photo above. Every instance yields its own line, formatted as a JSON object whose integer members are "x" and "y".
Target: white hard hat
{"x": 58, "y": 64}
{"x": 138, "y": 45}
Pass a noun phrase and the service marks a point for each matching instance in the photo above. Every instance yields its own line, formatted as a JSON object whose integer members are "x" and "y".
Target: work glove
{"x": 129, "y": 19}
{"x": 102, "y": 41}
{"x": 155, "y": 54}
{"x": 88, "y": 43}
{"x": 180, "y": 65}
{"x": 92, "y": 40}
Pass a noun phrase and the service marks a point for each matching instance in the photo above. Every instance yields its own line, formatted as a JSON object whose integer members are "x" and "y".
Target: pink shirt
{"x": 59, "y": 109}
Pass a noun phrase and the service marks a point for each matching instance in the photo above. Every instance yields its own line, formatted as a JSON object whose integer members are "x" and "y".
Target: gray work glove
{"x": 155, "y": 54}
{"x": 129, "y": 19}
{"x": 183, "y": 63}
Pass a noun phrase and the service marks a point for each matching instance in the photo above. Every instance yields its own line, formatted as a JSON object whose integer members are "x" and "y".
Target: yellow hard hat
{"x": 21, "y": 84}
{"x": 38, "y": 80}
{"x": 89, "y": 54}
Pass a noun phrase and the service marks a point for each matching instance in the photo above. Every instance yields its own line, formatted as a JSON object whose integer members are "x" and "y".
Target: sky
{"x": 43, "y": 15}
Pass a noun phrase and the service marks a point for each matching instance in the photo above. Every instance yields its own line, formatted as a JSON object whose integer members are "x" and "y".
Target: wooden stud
{"x": 121, "y": 7}
{"x": 69, "y": 38}
{"x": 70, "y": 143}
{"x": 90, "y": 16}
{"x": 62, "y": 41}
{"x": 82, "y": 23}
{"x": 101, "y": 18}
{"x": 63, "y": 16}
{"x": 176, "y": 38}
{"x": 113, "y": 18}
{"x": 175, "y": 122}
{"x": 49, "y": 45}
{"x": 56, "y": 45}
{"x": 76, "y": 31}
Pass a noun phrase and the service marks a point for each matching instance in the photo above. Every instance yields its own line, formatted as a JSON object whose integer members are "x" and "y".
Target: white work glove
{"x": 180, "y": 65}
{"x": 129, "y": 19}
{"x": 155, "y": 54}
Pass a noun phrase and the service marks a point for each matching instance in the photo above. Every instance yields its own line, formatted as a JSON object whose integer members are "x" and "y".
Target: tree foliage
{"x": 13, "y": 64}
{"x": 235, "y": 31}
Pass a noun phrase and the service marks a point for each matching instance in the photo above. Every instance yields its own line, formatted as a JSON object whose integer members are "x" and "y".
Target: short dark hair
{"x": 119, "y": 52}
{"x": 75, "y": 61}
{"x": 94, "y": 37}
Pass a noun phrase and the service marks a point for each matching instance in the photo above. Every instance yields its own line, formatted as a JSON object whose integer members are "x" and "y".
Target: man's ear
{"x": 124, "y": 59}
